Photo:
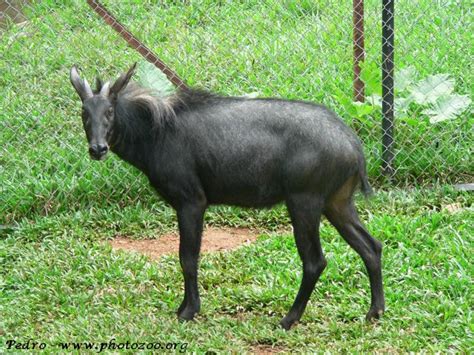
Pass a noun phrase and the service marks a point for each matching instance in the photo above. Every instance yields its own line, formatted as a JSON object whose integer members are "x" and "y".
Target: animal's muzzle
{"x": 98, "y": 151}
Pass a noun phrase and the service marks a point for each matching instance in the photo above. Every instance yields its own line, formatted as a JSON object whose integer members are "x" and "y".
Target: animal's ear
{"x": 82, "y": 86}
{"x": 122, "y": 81}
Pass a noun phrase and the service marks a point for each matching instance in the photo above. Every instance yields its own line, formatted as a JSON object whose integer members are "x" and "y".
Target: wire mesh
{"x": 297, "y": 50}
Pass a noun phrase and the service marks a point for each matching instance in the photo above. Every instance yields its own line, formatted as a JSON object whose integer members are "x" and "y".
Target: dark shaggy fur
{"x": 198, "y": 149}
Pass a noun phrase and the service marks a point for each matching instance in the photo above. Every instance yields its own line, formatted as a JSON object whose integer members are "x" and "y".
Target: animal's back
{"x": 238, "y": 122}
{"x": 254, "y": 152}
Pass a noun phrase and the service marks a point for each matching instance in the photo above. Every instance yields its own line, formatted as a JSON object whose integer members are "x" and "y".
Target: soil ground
{"x": 214, "y": 239}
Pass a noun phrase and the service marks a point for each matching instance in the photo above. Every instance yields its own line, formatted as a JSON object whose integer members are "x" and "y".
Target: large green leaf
{"x": 447, "y": 107}
{"x": 151, "y": 77}
{"x": 375, "y": 100}
{"x": 402, "y": 104}
{"x": 372, "y": 77}
{"x": 405, "y": 78}
{"x": 363, "y": 108}
{"x": 430, "y": 89}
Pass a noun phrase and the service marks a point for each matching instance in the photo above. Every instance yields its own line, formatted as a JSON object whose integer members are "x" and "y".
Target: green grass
{"x": 276, "y": 48}
{"x": 60, "y": 282}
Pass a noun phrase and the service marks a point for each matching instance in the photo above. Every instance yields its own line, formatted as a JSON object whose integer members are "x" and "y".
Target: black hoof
{"x": 374, "y": 314}
{"x": 187, "y": 313}
{"x": 286, "y": 323}
{"x": 181, "y": 307}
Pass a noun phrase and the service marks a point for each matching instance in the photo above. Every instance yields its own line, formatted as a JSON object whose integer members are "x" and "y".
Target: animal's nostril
{"x": 98, "y": 149}
{"x": 102, "y": 149}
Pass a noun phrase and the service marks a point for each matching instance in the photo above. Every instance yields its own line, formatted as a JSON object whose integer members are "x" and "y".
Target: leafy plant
{"x": 427, "y": 91}
{"x": 364, "y": 111}
{"x": 433, "y": 96}
{"x": 447, "y": 107}
{"x": 151, "y": 77}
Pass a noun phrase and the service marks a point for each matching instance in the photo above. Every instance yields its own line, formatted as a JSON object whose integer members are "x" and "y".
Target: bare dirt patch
{"x": 214, "y": 239}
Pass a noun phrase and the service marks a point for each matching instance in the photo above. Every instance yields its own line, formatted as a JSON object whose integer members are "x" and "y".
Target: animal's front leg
{"x": 190, "y": 221}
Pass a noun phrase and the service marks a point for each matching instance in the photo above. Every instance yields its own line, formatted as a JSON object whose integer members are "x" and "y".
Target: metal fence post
{"x": 388, "y": 16}
{"x": 135, "y": 43}
{"x": 359, "y": 51}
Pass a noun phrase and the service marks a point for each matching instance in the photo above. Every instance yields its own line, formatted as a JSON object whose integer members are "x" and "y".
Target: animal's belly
{"x": 245, "y": 194}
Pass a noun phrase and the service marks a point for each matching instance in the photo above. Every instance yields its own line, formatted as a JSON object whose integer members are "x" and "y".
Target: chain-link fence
{"x": 292, "y": 49}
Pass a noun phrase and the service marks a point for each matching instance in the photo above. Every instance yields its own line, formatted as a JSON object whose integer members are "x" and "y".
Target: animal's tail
{"x": 364, "y": 183}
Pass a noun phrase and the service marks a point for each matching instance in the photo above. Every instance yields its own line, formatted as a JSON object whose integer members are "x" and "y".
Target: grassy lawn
{"x": 61, "y": 282}
{"x": 59, "y": 279}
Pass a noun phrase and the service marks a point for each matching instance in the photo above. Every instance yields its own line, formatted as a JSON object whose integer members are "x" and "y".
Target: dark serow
{"x": 199, "y": 149}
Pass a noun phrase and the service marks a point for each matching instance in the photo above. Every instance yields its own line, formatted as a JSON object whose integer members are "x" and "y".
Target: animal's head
{"x": 98, "y": 109}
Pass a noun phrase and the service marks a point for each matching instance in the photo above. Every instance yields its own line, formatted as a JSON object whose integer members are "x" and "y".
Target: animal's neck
{"x": 133, "y": 134}
{"x": 134, "y": 153}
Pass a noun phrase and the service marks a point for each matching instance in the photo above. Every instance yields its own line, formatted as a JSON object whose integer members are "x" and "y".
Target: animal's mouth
{"x": 98, "y": 156}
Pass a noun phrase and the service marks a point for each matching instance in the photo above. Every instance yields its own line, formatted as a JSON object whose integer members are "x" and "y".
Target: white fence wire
{"x": 293, "y": 49}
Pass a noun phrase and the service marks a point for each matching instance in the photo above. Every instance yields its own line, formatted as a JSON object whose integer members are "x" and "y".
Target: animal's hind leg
{"x": 343, "y": 215}
{"x": 305, "y": 212}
